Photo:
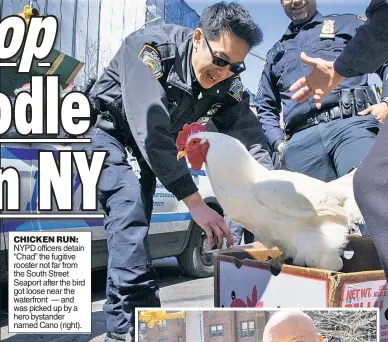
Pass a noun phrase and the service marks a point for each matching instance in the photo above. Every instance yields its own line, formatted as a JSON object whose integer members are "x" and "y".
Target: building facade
{"x": 171, "y": 330}
{"x": 216, "y": 326}
{"x": 234, "y": 326}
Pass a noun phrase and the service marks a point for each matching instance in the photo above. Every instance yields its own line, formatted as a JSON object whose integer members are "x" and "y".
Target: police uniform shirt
{"x": 368, "y": 50}
{"x": 323, "y": 37}
{"x": 152, "y": 74}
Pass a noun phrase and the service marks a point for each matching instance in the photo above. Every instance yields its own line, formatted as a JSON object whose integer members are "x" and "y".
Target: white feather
{"x": 307, "y": 219}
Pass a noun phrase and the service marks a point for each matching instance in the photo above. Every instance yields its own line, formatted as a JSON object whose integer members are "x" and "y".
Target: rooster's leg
{"x": 278, "y": 261}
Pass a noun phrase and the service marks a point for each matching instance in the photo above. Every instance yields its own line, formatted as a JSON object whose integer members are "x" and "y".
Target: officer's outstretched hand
{"x": 209, "y": 220}
{"x": 320, "y": 82}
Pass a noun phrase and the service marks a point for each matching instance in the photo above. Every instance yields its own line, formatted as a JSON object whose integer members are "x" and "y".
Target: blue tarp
{"x": 180, "y": 13}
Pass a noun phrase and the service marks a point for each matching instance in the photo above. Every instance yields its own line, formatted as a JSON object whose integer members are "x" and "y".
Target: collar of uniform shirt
{"x": 197, "y": 89}
{"x": 195, "y": 86}
{"x": 294, "y": 29}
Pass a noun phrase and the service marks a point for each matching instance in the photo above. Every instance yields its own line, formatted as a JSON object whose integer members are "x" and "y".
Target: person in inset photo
{"x": 291, "y": 326}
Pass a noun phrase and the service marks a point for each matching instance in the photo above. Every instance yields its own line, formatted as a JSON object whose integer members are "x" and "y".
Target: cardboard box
{"x": 244, "y": 279}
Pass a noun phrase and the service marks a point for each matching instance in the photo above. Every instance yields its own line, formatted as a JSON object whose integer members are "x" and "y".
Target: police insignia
{"x": 151, "y": 57}
{"x": 236, "y": 89}
{"x": 361, "y": 18}
{"x": 328, "y": 29}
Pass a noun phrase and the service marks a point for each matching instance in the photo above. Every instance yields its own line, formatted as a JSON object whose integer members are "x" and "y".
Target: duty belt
{"x": 350, "y": 102}
{"x": 320, "y": 117}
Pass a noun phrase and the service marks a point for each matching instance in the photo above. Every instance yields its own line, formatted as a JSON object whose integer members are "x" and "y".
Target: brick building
{"x": 171, "y": 330}
{"x": 234, "y": 326}
{"x": 216, "y": 326}
{"x": 219, "y": 326}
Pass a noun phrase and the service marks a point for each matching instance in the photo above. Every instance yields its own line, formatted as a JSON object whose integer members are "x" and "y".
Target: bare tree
{"x": 91, "y": 60}
{"x": 142, "y": 335}
{"x": 346, "y": 326}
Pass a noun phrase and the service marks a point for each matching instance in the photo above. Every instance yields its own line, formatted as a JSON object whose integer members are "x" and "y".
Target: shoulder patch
{"x": 236, "y": 88}
{"x": 361, "y": 18}
{"x": 151, "y": 57}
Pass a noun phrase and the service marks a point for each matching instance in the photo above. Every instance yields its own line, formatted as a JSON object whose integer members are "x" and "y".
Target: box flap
{"x": 359, "y": 255}
{"x": 258, "y": 257}
{"x": 338, "y": 281}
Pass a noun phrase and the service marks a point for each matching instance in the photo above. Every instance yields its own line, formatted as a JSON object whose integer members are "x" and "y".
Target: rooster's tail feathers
{"x": 331, "y": 210}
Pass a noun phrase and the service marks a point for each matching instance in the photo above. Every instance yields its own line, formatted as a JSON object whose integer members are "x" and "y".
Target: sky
{"x": 269, "y": 15}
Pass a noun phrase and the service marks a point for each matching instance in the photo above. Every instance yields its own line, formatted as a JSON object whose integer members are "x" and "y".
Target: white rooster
{"x": 305, "y": 218}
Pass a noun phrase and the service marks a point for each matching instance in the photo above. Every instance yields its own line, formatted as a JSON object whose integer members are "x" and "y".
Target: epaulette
{"x": 345, "y": 15}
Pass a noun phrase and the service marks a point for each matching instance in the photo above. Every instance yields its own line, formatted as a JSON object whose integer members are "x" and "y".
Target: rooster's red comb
{"x": 186, "y": 131}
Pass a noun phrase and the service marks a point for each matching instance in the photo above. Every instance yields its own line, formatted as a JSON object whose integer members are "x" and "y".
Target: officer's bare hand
{"x": 379, "y": 111}
{"x": 320, "y": 82}
{"x": 209, "y": 220}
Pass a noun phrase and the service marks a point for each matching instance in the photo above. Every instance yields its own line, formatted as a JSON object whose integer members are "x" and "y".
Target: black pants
{"x": 331, "y": 150}
{"x": 127, "y": 202}
{"x": 371, "y": 193}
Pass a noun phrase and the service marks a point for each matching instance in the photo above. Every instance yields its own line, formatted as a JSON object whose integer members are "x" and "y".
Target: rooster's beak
{"x": 181, "y": 154}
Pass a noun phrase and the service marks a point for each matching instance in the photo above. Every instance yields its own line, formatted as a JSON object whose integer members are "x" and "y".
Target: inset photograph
{"x": 252, "y": 325}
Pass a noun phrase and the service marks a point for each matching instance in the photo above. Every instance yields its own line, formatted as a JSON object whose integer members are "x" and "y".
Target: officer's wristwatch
{"x": 385, "y": 100}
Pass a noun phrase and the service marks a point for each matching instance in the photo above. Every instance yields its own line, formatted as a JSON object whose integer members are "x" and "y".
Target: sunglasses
{"x": 236, "y": 68}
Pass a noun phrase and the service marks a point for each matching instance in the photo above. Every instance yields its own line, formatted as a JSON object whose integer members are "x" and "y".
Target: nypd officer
{"x": 329, "y": 142}
{"x": 159, "y": 80}
{"x": 366, "y": 52}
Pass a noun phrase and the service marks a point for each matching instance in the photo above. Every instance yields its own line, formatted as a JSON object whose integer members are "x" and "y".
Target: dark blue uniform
{"x": 365, "y": 53}
{"x": 318, "y": 143}
{"x": 143, "y": 99}
{"x": 368, "y": 50}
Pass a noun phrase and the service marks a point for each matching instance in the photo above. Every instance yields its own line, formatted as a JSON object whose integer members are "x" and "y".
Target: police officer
{"x": 159, "y": 80}
{"x": 328, "y": 143}
{"x": 364, "y": 53}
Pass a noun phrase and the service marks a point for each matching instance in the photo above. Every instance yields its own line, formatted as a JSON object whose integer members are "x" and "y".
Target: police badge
{"x": 328, "y": 29}
{"x": 236, "y": 88}
{"x": 151, "y": 57}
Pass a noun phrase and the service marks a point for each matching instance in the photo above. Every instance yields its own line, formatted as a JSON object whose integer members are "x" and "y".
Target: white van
{"x": 172, "y": 231}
